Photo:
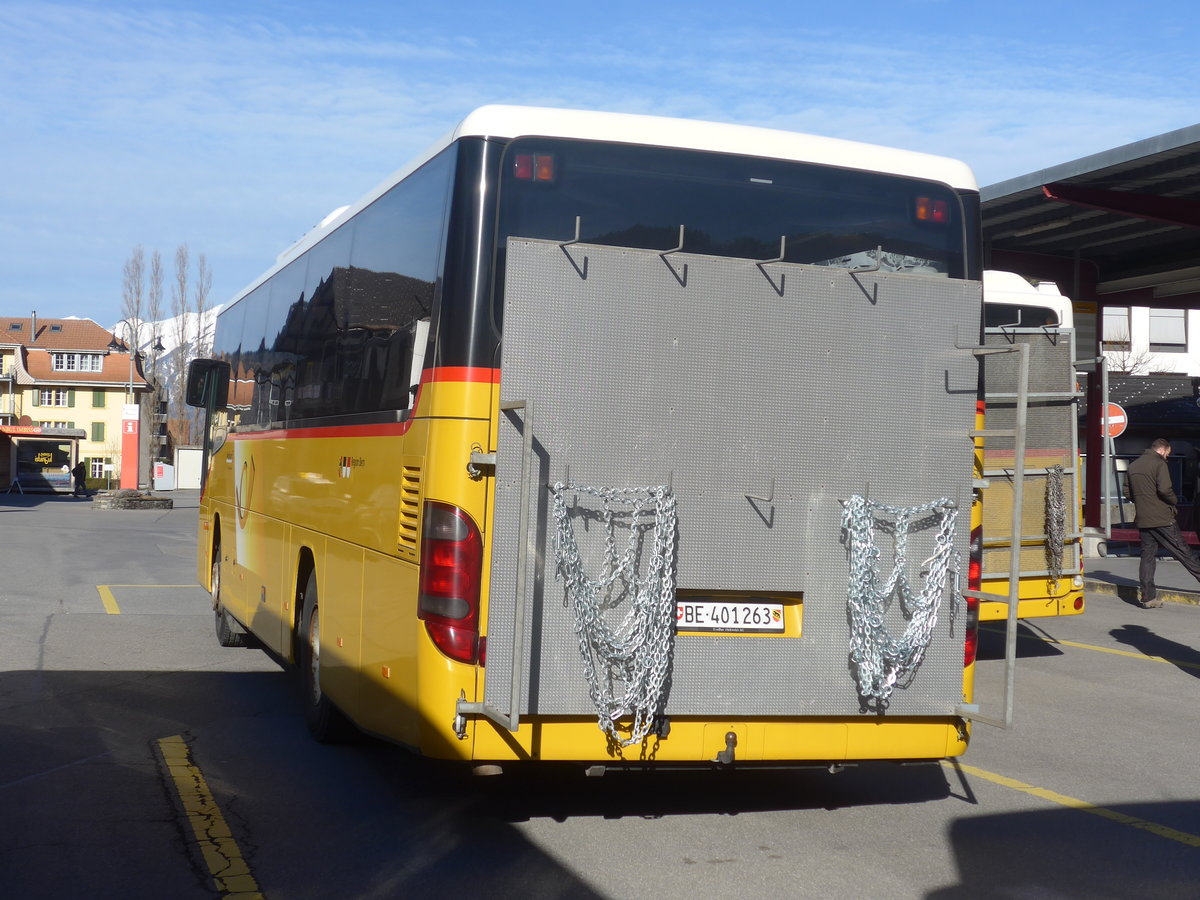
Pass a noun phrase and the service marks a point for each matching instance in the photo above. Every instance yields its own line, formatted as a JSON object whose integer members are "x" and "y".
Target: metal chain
{"x": 1056, "y": 515}
{"x": 625, "y": 665}
{"x": 880, "y": 661}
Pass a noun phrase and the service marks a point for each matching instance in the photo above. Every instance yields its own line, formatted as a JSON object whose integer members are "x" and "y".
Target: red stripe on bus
{"x": 473, "y": 374}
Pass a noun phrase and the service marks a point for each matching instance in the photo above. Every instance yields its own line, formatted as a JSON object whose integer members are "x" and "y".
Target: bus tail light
{"x": 451, "y": 572}
{"x": 930, "y": 210}
{"x": 533, "y": 167}
{"x": 974, "y": 583}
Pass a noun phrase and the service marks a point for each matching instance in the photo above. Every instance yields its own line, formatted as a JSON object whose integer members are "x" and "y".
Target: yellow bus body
{"x": 291, "y": 501}
{"x": 329, "y": 501}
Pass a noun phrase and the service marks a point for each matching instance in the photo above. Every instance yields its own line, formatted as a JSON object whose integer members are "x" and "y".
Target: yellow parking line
{"x": 1132, "y": 653}
{"x": 1112, "y": 815}
{"x": 109, "y": 601}
{"x": 225, "y": 863}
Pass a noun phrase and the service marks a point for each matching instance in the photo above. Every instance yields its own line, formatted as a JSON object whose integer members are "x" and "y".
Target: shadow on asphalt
{"x": 1030, "y": 644}
{"x": 1063, "y": 853}
{"x": 1141, "y": 638}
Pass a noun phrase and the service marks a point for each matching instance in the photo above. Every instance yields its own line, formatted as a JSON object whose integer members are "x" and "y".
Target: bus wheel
{"x": 325, "y": 721}
{"x": 227, "y": 634}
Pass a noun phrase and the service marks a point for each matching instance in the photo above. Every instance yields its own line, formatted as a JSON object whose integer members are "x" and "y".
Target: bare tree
{"x": 203, "y": 340}
{"x": 202, "y": 289}
{"x": 154, "y": 310}
{"x": 133, "y": 293}
{"x": 179, "y": 309}
{"x": 1123, "y": 359}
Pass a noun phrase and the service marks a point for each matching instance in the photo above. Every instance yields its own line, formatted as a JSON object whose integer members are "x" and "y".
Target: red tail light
{"x": 929, "y": 210}
{"x": 451, "y": 572}
{"x": 533, "y": 167}
{"x": 974, "y": 583}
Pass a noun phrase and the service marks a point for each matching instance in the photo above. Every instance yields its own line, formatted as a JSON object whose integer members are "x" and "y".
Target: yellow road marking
{"x": 109, "y": 601}
{"x": 213, "y": 837}
{"x": 1112, "y": 815}
{"x": 1133, "y": 654}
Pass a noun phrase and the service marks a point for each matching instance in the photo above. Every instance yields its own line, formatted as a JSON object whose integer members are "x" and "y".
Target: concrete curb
{"x": 1130, "y": 592}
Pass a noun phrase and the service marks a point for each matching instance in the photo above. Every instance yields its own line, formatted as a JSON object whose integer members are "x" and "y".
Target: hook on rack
{"x": 580, "y": 270}
{"x": 681, "y": 277}
{"x": 873, "y": 294}
{"x": 762, "y": 263}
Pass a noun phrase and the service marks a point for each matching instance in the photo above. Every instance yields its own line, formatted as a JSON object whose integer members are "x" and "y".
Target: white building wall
{"x": 1187, "y": 363}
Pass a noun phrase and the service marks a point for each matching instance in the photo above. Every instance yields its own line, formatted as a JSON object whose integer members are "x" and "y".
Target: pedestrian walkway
{"x": 1119, "y": 575}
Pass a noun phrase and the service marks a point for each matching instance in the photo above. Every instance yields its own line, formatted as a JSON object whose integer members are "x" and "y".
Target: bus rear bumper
{"x": 812, "y": 741}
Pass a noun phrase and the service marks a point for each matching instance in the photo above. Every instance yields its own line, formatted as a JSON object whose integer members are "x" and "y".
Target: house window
{"x": 1168, "y": 330}
{"x": 99, "y": 398}
{"x": 55, "y": 397}
{"x": 1115, "y": 333}
{"x": 56, "y": 424}
{"x": 96, "y": 466}
{"x": 97, "y": 432}
{"x": 77, "y": 362}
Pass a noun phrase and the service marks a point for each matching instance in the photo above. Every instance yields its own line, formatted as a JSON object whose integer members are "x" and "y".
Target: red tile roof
{"x": 54, "y": 334}
{"x": 69, "y": 336}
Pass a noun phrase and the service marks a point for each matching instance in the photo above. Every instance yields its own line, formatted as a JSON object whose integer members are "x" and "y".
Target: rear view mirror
{"x": 207, "y": 384}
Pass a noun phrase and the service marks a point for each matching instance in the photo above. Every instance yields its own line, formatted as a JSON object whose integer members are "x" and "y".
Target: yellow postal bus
{"x": 1050, "y": 579}
{"x": 613, "y": 439}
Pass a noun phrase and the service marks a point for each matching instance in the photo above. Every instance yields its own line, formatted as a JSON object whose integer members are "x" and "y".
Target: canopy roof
{"x": 1122, "y": 221}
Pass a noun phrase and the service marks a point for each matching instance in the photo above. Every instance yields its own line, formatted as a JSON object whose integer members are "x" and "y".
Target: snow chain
{"x": 625, "y": 666}
{"x": 880, "y": 661}
{"x": 1056, "y": 514}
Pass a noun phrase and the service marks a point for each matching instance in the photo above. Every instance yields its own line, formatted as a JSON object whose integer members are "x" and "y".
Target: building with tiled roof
{"x": 67, "y": 376}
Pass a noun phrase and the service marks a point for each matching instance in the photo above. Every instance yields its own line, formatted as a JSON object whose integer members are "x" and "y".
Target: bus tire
{"x": 228, "y": 635}
{"x": 326, "y": 723}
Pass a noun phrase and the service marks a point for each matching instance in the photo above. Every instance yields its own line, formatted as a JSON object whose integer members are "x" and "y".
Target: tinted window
{"x": 332, "y": 333}
{"x": 729, "y": 206}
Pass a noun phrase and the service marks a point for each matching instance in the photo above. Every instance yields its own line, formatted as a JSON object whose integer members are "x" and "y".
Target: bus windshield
{"x": 746, "y": 207}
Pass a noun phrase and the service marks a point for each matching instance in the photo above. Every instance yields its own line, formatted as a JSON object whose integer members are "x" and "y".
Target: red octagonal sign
{"x": 1115, "y": 420}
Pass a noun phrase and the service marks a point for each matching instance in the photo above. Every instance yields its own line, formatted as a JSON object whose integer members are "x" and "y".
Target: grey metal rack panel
{"x": 1051, "y": 439}
{"x": 763, "y": 402}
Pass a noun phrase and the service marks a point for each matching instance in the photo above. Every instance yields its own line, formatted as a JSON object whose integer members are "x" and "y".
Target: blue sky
{"x": 236, "y": 126}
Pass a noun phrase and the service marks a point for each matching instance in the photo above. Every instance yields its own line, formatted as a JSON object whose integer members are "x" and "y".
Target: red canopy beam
{"x": 1169, "y": 210}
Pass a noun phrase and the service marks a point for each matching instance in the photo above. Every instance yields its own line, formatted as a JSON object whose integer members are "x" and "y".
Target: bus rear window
{"x": 735, "y": 206}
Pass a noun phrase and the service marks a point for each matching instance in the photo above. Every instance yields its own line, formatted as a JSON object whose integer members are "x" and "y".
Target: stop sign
{"x": 1114, "y": 420}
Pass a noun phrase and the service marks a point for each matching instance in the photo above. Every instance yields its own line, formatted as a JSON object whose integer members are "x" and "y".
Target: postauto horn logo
{"x": 349, "y": 464}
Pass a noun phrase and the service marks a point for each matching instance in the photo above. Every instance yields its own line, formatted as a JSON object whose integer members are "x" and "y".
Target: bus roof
{"x": 511, "y": 122}
{"x": 693, "y": 134}
{"x": 1015, "y": 290}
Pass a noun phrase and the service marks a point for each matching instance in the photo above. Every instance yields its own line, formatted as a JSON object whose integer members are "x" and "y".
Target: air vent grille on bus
{"x": 409, "y": 534}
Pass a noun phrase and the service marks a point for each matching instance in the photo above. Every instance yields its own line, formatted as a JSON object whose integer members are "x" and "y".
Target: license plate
{"x": 736, "y": 616}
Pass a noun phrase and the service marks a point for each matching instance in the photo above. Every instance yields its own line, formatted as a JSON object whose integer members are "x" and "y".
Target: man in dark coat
{"x": 1148, "y": 485}
{"x": 79, "y": 473}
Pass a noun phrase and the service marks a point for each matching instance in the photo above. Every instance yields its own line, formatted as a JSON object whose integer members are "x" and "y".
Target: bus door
{"x": 699, "y": 425}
